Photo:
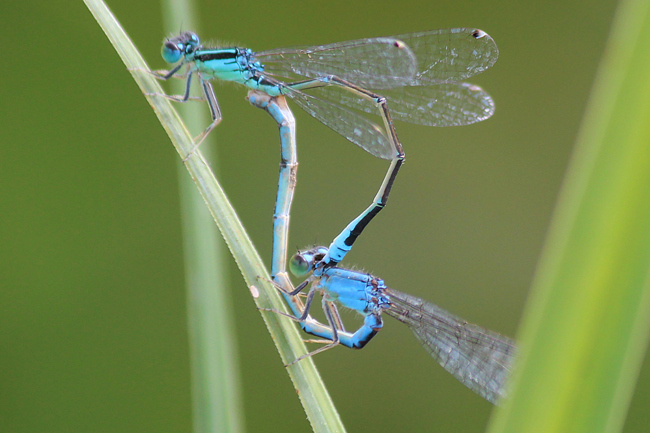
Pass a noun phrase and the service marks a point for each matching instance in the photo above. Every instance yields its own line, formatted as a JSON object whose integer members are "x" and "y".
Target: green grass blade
{"x": 216, "y": 399}
{"x": 586, "y": 326}
{"x": 310, "y": 388}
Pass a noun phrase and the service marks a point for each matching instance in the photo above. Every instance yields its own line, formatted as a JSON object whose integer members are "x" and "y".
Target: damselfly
{"x": 419, "y": 74}
{"x": 479, "y": 358}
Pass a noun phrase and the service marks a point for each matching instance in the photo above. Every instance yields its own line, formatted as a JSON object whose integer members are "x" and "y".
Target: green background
{"x": 92, "y": 298}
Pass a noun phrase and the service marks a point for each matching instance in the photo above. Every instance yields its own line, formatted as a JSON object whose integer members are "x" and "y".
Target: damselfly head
{"x": 303, "y": 262}
{"x": 182, "y": 45}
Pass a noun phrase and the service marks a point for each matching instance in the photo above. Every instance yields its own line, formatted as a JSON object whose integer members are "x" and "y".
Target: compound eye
{"x": 298, "y": 265}
{"x": 171, "y": 52}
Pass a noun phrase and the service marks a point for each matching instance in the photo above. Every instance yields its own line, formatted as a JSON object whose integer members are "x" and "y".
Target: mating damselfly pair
{"x": 414, "y": 77}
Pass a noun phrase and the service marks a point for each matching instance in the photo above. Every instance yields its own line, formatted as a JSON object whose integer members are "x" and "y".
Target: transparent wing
{"x": 351, "y": 125}
{"x": 444, "y": 104}
{"x": 478, "y": 358}
{"x": 438, "y": 104}
{"x": 383, "y": 63}
{"x": 451, "y": 54}
{"x": 370, "y": 63}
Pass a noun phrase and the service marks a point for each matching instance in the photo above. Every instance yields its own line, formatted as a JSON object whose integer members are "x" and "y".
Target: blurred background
{"x": 92, "y": 299}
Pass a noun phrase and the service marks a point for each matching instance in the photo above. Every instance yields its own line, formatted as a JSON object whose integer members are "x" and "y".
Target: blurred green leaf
{"x": 586, "y": 326}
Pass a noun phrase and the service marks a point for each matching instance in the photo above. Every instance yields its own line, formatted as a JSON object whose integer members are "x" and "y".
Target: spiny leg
{"x": 215, "y": 113}
{"x": 173, "y": 74}
{"x": 333, "y": 340}
{"x": 208, "y": 95}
